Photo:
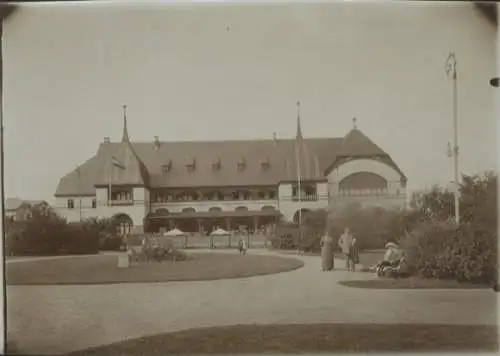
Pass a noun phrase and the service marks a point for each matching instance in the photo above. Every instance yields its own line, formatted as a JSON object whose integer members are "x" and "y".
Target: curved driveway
{"x": 58, "y": 319}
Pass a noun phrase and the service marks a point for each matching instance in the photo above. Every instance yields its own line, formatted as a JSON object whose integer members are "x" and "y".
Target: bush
{"x": 110, "y": 242}
{"x": 45, "y": 233}
{"x": 372, "y": 227}
{"x": 437, "y": 248}
{"x": 178, "y": 255}
{"x": 82, "y": 238}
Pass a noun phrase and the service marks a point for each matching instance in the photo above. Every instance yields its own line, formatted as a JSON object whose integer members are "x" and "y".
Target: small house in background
{"x": 18, "y": 209}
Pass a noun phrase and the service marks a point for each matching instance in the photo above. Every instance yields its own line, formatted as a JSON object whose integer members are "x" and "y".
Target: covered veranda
{"x": 207, "y": 221}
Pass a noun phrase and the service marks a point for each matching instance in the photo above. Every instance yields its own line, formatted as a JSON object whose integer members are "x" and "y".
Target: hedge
{"x": 46, "y": 233}
{"x": 438, "y": 249}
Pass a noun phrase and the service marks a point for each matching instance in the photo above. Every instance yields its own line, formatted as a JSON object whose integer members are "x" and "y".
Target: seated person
{"x": 392, "y": 258}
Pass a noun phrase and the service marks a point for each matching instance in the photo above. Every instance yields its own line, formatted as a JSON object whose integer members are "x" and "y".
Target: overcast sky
{"x": 236, "y": 71}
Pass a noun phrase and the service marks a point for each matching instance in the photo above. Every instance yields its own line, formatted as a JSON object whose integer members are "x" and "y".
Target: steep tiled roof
{"x": 132, "y": 170}
{"x": 123, "y": 166}
{"x": 355, "y": 143}
{"x": 156, "y": 159}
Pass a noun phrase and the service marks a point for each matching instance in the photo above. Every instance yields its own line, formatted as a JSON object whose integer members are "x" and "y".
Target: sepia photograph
{"x": 247, "y": 177}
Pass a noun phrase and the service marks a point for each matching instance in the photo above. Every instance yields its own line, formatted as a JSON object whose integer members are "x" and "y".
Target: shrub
{"x": 82, "y": 238}
{"x": 46, "y": 233}
{"x": 372, "y": 226}
{"x": 178, "y": 255}
{"x": 438, "y": 249}
{"x": 42, "y": 234}
{"x": 110, "y": 242}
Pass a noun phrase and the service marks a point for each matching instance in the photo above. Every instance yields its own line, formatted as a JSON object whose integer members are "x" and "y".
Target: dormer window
{"x": 241, "y": 164}
{"x": 216, "y": 164}
{"x": 191, "y": 164}
{"x": 265, "y": 164}
{"x": 167, "y": 167}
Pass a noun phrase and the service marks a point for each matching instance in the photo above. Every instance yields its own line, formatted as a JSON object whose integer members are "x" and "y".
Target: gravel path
{"x": 58, "y": 319}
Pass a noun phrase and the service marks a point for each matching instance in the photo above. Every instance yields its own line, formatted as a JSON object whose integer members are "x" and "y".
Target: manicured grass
{"x": 300, "y": 338}
{"x": 366, "y": 258}
{"x": 103, "y": 269}
{"x": 411, "y": 283}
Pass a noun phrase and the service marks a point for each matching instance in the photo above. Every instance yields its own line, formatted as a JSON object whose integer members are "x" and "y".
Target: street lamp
{"x": 451, "y": 71}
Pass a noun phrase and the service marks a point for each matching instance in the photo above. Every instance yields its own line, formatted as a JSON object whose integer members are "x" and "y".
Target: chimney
{"x": 275, "y": 138}
{"x": 157, "y": 142}
{"x": 106, "y": 139}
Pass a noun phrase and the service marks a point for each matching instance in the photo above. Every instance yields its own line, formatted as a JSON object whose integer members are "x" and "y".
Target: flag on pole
{"x": 117, "y": 163}
{"x": 114, "y": 163}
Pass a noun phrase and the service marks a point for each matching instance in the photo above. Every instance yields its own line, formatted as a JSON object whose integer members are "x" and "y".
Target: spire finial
{"x": 125, "y": 129}
{"x": 299, "y": 130}
{"x": 354, "y": 126}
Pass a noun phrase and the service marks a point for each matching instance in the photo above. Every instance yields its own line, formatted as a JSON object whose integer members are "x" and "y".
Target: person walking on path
{"x": 346, "y": 243}
{"x": 326, "y": 244}
{"x": 242, "y": 245}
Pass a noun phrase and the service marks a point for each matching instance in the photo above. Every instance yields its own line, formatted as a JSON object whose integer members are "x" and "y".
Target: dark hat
{"x": 494, "y": 82}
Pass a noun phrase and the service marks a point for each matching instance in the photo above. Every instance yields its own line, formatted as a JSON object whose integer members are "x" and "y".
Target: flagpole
{"x": 299, "y": 175}
{"x": 3, "y": 322}
{"x": 79, "y": 192}
{"x": 299, "y": 191}
{"x": 110, "y": 165}
{"x": 451, "y": 71}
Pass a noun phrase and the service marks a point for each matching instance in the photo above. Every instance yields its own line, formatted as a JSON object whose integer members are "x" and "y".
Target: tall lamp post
{"x": 451, "y": 71}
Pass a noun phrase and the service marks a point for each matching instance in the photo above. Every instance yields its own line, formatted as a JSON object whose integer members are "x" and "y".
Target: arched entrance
{"x": 300, "y": 213}
{"x": 124, "y": 224}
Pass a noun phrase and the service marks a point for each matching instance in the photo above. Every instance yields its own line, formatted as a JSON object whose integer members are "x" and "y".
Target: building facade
{"x": 197, "y": 186}
{"x": 17, "y": 209}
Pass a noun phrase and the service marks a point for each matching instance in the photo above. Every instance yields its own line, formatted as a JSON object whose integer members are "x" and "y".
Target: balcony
{"x": 368, "y": 192}
{"x": 221, "y": 205}
{"x": 189, "y": 199}
{"x": 305, "y": 197}
{"x": 124, "y": 202}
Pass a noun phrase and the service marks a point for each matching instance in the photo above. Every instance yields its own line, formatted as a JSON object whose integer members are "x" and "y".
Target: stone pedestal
{"x": 123, "y": 261}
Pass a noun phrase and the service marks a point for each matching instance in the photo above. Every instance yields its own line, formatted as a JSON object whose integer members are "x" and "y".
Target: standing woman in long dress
{"x": 326, "y": 252}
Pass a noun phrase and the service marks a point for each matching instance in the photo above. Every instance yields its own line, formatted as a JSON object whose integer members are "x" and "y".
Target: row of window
{"x": 214, "y": 209}
{"x": 116, "y": 197}
{"x": 213, "y": 196}
{"x": 308, "y": 194}
{"x": 241, "y": 164}
{"x": 70, "y": 204}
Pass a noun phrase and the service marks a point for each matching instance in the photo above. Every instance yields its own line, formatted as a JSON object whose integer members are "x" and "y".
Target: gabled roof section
{"x": 123, "y": 166}
{"x": 356, "y": 144}
{"x": 81, "y": 181}
{"x": 145, "y": 162}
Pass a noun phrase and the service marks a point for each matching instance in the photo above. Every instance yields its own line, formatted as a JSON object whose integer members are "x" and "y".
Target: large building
{"x": 195, "y": 186}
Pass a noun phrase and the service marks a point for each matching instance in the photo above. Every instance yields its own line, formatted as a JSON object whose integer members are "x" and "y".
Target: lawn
{"x": 309, "y": 338}
{"x": 103, "y": 269}
{"x": 366, "y": 258}
{"x": 411, "y": 283}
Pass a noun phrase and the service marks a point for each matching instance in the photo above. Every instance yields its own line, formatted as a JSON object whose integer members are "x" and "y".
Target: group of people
{"x": 348, "y": 246}
{"x": 393, "y": 265}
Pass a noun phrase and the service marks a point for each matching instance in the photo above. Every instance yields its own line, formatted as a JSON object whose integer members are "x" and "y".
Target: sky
{"x": 234, "y": 71}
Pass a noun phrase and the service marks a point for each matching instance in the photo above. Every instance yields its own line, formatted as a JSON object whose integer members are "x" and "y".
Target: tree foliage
{"x": 46, "y": 233}
{"x": 438, "y": 248}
